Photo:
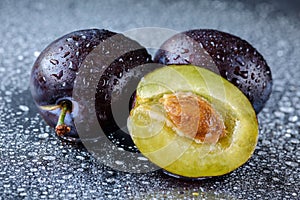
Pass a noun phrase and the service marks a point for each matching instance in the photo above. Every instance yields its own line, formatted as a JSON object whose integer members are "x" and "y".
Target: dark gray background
{"x": 35, "y": 164}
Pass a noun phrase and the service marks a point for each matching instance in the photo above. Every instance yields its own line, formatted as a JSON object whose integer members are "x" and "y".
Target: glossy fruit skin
{"x": 54, "y": 72}
{"x": 116, "y": 88}
{"x": 162, "y": 145}
{"x": 230, "y": 56}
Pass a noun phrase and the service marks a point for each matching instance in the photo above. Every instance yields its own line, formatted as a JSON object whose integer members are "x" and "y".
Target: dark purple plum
{"x": 53, "y": 76}
{"x": 230, "y": 56}
{"x": 55, "y": 70}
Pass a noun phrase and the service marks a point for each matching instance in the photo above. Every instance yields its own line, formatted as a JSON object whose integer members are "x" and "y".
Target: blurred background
{"x": 35, "y": 164}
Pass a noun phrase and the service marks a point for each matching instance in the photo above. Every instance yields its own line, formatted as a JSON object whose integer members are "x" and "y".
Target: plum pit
{"x": 193, "y": 117}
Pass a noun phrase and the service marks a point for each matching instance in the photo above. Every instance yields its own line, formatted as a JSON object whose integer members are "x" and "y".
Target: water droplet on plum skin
{"x": 116, "y": 82}
{"x": 66, "y": 54}
{"x": 236, "y": 81}
{"x": 42, "y": 79}
{"x": 58, "y": 75}
{"x": 69, "y": 39}
{"x": 72, "y": 66}
{"x": 244, "y": 74}
{"x": 240, "y": 60}
{"x": 120, "y": 75}
{"x": 237, "y": 71}
{"x": 54, "y": 62}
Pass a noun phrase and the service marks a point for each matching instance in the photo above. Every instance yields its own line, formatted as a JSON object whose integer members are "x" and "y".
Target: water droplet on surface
{"x": 286, "y": 109}
{"x": 23, "y": 194}
{"x": 43, "y": 135}
{"x": 142, "y": 158}
{"x": 33, "y": 169}
{"x": 110, "y": 180}
{"x": 118, "y": 162}
{"x": 49, "y": 158}
{"x": 80, "y": 157}
{"x": 20, "y": 57}
{"x": 294, "y": 141}
{"x": 276, "y": 179}
{"x": 68, "y": 176}
{"x": 20, "y": 189}
{"x": 293, "y": 118}
{"x": 32, "y": 154}
{"x": 291, "y": 163}
{"x": 36, "y": 53}
{"x": 24, "y": 108}
{"x": 280, "y": 53}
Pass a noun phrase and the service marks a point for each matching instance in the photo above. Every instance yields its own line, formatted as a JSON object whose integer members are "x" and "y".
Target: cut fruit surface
{"x": 192, "y": 122}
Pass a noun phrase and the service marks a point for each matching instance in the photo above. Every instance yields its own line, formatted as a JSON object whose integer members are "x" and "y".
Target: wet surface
{"x": 35, "y": 164}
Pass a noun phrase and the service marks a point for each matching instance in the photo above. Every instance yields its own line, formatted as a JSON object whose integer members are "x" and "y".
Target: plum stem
{"x": 61, "y": 128}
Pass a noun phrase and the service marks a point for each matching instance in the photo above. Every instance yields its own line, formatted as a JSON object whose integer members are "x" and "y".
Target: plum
{"x": 230, "y": 56}
{"x": 55, "y": 70}
{"x": 192, "y": 122}
{"x": 53, "y": 76}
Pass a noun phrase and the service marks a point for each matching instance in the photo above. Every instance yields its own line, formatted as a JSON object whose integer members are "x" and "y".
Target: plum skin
{"x": 236, "y": 60}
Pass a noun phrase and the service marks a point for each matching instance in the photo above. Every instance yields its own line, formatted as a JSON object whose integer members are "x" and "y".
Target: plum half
{"x": 230, "y": 56}
{"x": 192, "y": 123}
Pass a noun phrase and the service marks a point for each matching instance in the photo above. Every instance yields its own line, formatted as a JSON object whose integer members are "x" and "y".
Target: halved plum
{"x": 192, "y": 122}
